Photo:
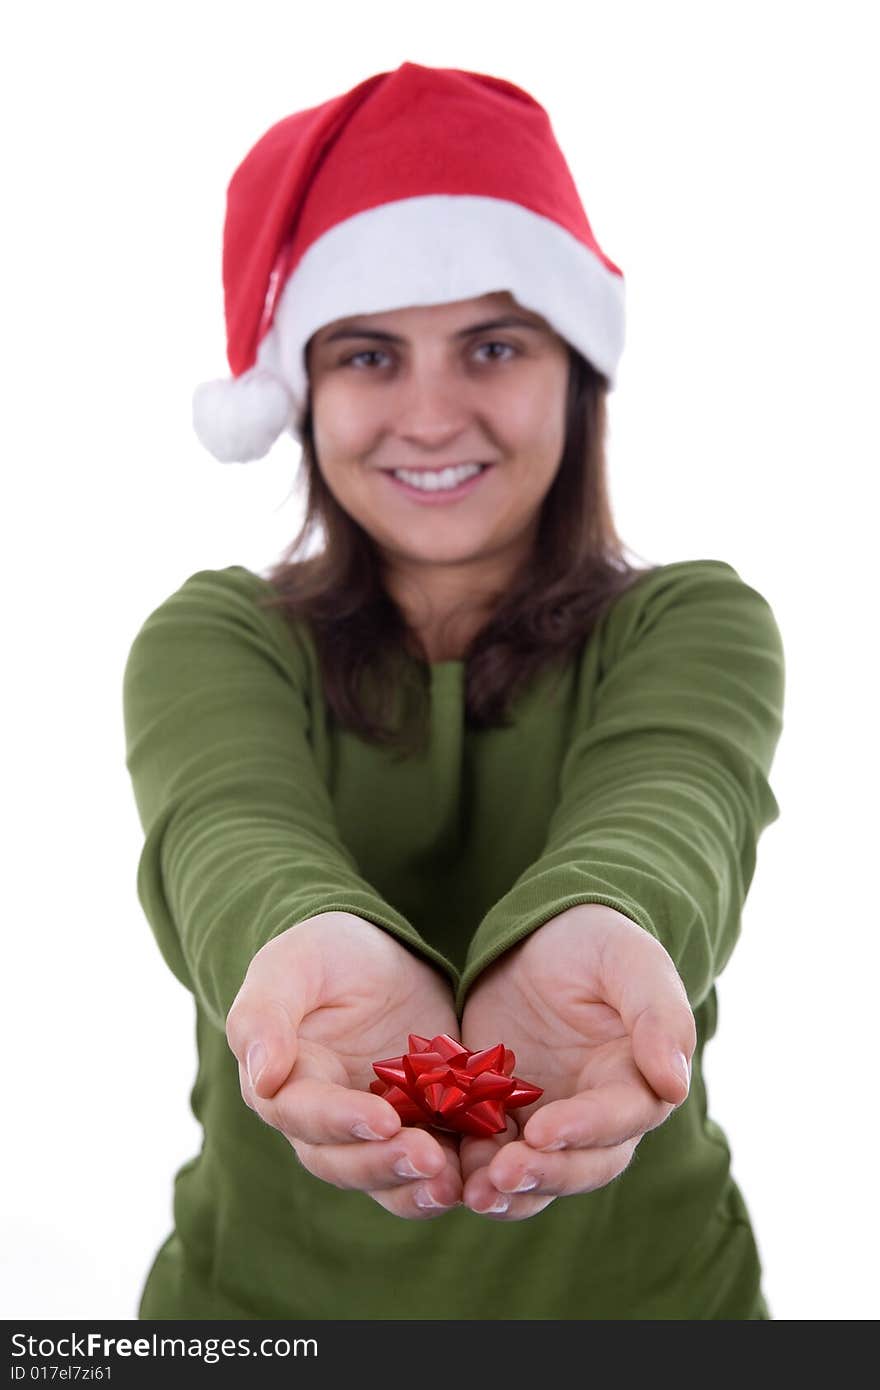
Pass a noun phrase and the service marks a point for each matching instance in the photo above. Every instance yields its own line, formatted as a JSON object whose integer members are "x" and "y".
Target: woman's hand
{"x": 324, "y": 1000}
{"x": 594, "y": 1010}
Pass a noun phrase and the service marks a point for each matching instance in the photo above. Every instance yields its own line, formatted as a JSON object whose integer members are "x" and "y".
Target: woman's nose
{"x": 431, "y": 407}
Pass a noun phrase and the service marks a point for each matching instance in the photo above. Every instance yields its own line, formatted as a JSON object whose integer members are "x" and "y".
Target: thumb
{"x": 650, "y": 997}
{"x": 659, "y": 1056}
{"x": 263, "y": 1023}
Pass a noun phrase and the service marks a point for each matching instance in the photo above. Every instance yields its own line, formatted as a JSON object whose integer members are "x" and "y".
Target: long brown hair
{"x": 576, "y": 571}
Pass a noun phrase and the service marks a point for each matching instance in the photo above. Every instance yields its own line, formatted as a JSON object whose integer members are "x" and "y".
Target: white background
{"x": 726, "y": 156}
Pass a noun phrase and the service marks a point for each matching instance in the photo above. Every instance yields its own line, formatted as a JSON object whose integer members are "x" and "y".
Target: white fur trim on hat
{"x": 425, "y": 250}
{"x": 442, "y": 248}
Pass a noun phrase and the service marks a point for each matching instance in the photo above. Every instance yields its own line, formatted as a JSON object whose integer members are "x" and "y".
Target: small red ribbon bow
{"x": 451, "y": 1088}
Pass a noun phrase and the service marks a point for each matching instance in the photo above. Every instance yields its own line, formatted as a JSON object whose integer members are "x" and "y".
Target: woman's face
{"x": 432, "y": 386}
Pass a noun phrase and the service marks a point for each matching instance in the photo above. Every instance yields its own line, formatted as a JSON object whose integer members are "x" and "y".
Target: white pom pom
{"x": 238, "y": 419}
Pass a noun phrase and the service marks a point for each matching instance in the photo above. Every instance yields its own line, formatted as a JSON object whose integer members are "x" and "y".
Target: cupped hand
{"x": 594, "y": 1010}
{"x": 325, "y": 999}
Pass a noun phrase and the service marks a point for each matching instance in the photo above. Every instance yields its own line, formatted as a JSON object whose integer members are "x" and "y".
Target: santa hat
{"x": 419, "y": 186}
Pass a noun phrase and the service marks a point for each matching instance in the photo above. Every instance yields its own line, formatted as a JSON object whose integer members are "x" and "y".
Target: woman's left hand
{"x": 594, "y": 1011}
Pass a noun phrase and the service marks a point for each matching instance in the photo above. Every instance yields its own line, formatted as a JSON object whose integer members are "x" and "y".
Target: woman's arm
{"x": 240, "y": 841}
{"x": 663, "y": 792}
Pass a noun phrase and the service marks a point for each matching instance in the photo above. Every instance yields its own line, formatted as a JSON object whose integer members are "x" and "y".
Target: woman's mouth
{"x": 434, "y": 494}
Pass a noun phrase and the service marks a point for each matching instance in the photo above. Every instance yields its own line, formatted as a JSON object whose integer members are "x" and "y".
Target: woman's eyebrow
{"x": 358, "y": 331}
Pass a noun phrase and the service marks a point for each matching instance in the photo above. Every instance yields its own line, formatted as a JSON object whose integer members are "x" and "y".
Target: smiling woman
{"x": 367, "y": 813}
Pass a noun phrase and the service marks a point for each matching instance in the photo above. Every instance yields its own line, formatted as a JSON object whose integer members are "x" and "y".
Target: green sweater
{"x": 639, "y": 780}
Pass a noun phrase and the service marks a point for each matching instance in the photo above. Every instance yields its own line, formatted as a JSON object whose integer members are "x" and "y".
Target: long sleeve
{"x": 241, "y": 841}
{"x": 663, "y": 791}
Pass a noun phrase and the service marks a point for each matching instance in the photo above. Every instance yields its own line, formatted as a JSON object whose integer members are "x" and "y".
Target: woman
{"x": 462, "y": 770}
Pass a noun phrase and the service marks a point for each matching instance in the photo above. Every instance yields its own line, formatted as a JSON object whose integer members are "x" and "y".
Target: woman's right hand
{"x": 326, "y": 999}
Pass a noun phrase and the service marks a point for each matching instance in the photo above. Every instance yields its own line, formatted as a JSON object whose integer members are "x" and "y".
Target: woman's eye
{"x": 367, "y": 352}
{"x": 506, "y": 346}
{"x": 357, "y": 357}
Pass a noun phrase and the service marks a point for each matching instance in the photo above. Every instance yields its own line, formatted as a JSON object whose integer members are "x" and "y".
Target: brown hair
{"x": 576, "y": 572}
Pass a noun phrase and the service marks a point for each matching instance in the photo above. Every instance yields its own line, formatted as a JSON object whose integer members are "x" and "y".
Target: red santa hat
{"x": 419, "y": 186}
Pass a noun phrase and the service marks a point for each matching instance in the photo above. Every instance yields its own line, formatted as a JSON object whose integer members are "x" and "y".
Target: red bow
{"x": 451, "y": 1088}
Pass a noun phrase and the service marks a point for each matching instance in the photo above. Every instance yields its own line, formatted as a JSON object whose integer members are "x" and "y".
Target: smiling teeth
{"x": 431, "y": 482}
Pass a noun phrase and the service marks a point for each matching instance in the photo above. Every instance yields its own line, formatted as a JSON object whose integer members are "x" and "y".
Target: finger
{"x": 481, "y": 1196}
{"x": 427, "y": 1199}
{"x": 401, "y": 1168}
{"x": 520, "y": 1169}
{"x": 479, "y": 1193}
{"x": 604, "y": 1116}
{"x": 642, "y": 982}
{"x": 476, "y": 1152}
{"x": 348, "y": 1166}
{"x": 312, "y": 1109}
{"x": 663, "y": 1061}
{"x": 323, "y": 1112}
{"x": 263, "y": 1022}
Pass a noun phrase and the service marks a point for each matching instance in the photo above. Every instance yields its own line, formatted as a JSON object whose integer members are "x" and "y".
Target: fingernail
{"x": 557, "y": 1144}
{"x": 526, "y": 1183}
{"x": 679, "y": 1061}
{"x": 255, "y": 1060}
{"x": 424, "y": 1199}
{"x": 405, "y": 1168}
{"x": 363, "y": 1131}
{"x": 500, "y": 1204}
